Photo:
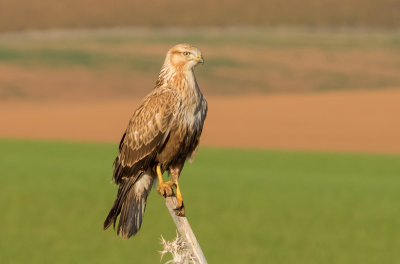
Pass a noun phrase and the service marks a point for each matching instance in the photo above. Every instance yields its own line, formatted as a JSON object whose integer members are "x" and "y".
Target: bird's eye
{"x": 186, "y": 53}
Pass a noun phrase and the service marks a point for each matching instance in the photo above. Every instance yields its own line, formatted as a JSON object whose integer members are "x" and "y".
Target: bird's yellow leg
{"x": 159, "y": 175}
{"x": 164, "y": 188}
{"x": 180, "y": 210}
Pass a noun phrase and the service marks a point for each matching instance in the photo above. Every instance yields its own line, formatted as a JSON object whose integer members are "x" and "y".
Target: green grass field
{"x": 245, "y": 206}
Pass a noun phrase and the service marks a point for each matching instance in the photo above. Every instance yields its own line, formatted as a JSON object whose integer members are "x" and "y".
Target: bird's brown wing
{"x": 146, "y": 133}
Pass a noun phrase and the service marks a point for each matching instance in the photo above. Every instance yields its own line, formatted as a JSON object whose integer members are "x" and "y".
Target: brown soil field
{"x": 91, "y": 70}
{"x": 271, "y": 89}
{"x": 24, "y": 14}
{"x": 356, "y": 121}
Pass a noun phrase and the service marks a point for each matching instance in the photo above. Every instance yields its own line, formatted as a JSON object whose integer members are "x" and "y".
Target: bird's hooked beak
{"x": 200, "y": 59}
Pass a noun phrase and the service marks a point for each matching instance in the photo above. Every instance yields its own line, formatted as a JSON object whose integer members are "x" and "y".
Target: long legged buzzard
{"x": 161, "y": 135}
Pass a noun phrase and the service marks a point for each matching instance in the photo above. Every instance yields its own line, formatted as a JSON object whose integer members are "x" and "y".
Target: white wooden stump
{"x": 183, "y": 226}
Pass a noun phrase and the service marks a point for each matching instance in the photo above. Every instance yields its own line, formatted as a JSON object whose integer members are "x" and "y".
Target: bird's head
{"x": 184, "y": 57}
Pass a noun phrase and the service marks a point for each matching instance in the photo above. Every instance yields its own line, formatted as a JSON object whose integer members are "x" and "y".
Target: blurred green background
{"x": 245, "y": 206}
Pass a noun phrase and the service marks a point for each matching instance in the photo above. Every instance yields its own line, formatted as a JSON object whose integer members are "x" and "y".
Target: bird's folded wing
{"x": 147, "y": 129}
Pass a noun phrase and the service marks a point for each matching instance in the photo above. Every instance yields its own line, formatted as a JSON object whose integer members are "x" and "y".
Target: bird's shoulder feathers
{"x": 147, "y": 129}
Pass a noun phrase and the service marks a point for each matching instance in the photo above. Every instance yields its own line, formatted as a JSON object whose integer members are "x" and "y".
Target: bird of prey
{"x": 162, "y": 134}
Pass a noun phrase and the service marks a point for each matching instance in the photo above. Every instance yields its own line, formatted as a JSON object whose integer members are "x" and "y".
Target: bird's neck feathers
{"x": 177, "y": 77}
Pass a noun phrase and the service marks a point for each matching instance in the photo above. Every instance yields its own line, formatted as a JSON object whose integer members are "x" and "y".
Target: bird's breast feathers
{"x": 193, "y": 110}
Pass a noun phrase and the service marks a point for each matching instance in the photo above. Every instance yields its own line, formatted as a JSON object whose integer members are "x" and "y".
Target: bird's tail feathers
{"x": 130, "y": 204}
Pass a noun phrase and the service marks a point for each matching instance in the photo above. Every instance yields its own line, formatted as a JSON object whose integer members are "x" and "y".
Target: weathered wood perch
{"x": 183, "y": 226}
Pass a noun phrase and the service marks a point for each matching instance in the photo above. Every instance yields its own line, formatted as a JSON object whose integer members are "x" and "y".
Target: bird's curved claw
{"x": 165, "y": 189}
{"x": 180, "y": 210}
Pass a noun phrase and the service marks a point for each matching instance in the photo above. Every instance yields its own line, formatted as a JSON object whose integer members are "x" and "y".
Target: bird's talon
{"x": 165, "y": 189}
{"x": 180, "y": 210}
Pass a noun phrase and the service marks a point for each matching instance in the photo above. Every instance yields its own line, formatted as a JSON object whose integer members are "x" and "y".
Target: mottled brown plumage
{"x": 164, "y": 131}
